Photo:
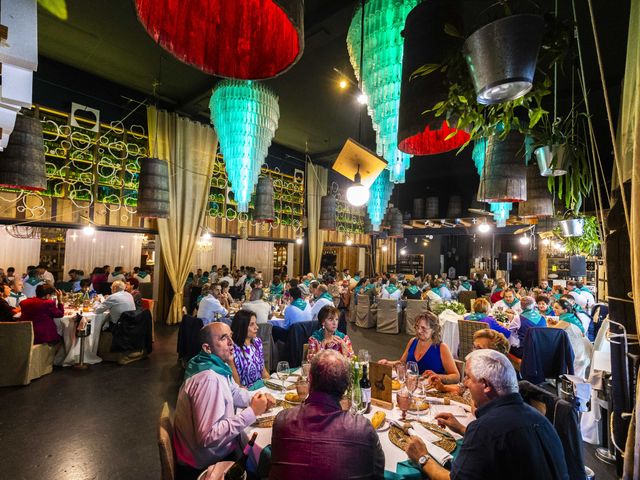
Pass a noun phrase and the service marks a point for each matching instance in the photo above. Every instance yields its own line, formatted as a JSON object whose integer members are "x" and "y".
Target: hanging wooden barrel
{"x": 454, "y": 209}
{"x": 153, "y": 190}
{"x": 432, "y": 209}
{"x": 328, "y": 213}
{"x": 427, "y": 43}
{"x": 406, "y": 217}
{"x": 386, "y": 220}
{"x": 22, "y": 161}
{"x": 368, "y": 226}
{"x": 396, "y": 229}
{"x": 504, "y": 175}
{"x": 263, "y": 211}
{"x": 418, "y": 208}
{"x": 539, "y": 200}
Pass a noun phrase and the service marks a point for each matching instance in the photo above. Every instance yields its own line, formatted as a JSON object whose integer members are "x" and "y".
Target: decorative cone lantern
{"x": 426, "y": 43}
{"x": 153, "y": 188}
{"x": 396, "y": 229}
{"x": 243, "y": 39}
{"x": 379, "y": 195}
{"x": 264, "y": 211}
{"x": 245, "y": 115}
{"x": 328, "y": 213}
{"x": 22, "y": 161}
{"x": 381, "y": 73}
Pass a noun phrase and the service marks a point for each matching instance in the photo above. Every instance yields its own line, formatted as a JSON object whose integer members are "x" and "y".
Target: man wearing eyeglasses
{"x": 509, "y": 439}
{"x": 207, "y": 427}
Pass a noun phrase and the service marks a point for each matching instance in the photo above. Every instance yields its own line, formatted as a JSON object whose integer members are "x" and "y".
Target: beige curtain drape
{"x": 316, "y": 188}
{"x": 629, "y": 161}
{"x": 190, "y": 149}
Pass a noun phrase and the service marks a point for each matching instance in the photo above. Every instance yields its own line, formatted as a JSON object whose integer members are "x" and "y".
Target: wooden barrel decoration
{"x": 386, "y": 220}
{"x": 263, "y": 211}
{"x": 368, "y": 226}
{"x": 418, "y": 208}
{"x": 396, "y": 229}
{"x": 22, "y": 161}
{"x": 539, "y": 201}
{"x": 328, "y": 213}
{"x": 406, "y": 217}
{"x": 427, "y": 43}
{"x": 504, "y": 175}
{"x": 153, "y": 190}
{"x": 454, "y": 209}
{"x": 432, "y": 209}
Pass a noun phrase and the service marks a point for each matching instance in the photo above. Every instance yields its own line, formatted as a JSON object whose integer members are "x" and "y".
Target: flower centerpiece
{"x": 452, "y": 305}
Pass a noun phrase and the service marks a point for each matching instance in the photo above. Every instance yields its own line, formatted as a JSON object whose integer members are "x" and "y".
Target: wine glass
{"x": 403, "y": 399}
{"x": 363, "y": 356}
{"x": 401, "y": 371}
{"x": 306, "y": 368}
{"x": 283, "y": 372}
{"x": 413, "y": 368}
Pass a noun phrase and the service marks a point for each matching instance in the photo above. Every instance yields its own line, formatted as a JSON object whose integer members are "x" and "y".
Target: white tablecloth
{"x": 66, "y": 327}
{"x": 392, "y": 454}
{"x": 450, "y": 334}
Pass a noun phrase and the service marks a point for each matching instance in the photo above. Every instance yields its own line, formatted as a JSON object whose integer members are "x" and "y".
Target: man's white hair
{"x": 495, "y": 368}
{"x": 117, "y": 286}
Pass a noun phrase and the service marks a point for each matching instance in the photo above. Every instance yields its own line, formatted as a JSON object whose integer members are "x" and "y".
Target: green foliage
{"x": 57, "y": 8}
{"x": 587, "y": 244}
{"x": 456, "y": 307}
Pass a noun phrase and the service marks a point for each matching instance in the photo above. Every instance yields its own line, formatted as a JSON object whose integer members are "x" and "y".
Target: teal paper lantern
{"x": 500, "y": 210}
{"x": 379, "y": 195}
{"x": 245, "y": 115}
{"x": 381, "y": 73}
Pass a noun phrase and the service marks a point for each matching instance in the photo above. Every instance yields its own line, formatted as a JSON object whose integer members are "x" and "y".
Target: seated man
{"x": 15, "y": 295}
{"x": 441, "y": 290}
{"x": 207, "y": 427}
{"x": 257, "y": 305}
{"x": 210, "y": 306}
{"x": 323, "y": 298}
{"x": 509, "y": 439}
{"x": 297, "y": 311}
{"x": 318, "y": 440}
{"x": 509, "y": 302}
{"x": 391, "y": 290}
{"x": 117, "y": 303}
{"x": 7, "y": 311}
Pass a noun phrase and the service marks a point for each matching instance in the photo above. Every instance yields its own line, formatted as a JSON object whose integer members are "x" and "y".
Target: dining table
{"x": 67, "y": 329}
{"x": 397, "y": 466}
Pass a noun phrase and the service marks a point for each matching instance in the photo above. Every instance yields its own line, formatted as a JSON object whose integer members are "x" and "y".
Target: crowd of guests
{"x": 320, "y": 440}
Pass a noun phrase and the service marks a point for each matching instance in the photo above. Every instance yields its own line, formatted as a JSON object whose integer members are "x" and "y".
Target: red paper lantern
{"x": 244, "y": 39}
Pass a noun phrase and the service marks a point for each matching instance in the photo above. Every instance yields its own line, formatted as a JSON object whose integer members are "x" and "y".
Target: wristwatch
{"x": 423, "y": 460}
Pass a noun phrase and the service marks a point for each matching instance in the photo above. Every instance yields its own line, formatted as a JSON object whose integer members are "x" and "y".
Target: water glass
{"x": 302, "y": 387}
{"x": 283, "y": 372}
{"x": 401, "y": 371}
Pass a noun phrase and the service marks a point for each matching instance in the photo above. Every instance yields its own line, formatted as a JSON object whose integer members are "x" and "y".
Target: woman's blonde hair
{"x": 433, "y": 323}
{"x": 498, "y": 341}
{"x": 481, "y": 305}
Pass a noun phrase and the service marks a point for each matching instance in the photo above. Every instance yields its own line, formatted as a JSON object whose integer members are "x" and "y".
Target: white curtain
{"x": 116, "y": 249}
{"x": 258, "y": 255}
{"x": 18, "y": 253}
{"x": 219, "y": 254}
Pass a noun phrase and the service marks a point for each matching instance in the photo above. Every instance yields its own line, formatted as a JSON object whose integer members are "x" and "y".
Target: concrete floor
{"x": 102, "y": 423}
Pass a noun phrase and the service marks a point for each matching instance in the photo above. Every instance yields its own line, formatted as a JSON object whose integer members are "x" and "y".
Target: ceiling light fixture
{"x": 343, "y": 84}
{"x": 524, "y": 239}
{"x": 357, "y": 194}
{"x": 403, "y": 251}
{"x": 384, "y": 248}
{"x": 349, "y": 242}
{"x": 484, "y": 227}
{"x": 88, "y": 230}
{"x": 362, "y": 99}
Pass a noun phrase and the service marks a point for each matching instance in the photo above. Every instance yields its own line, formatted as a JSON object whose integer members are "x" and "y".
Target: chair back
{"x": 387, "y": 321}
{"x": 365, "y": 316}
{"x": 465, "y": 298}
{"x": 598, "y": 314}
{"x": 165, "y": 445}
{"x": 466, "y": 329}
{"x": 188, "y": 345}
{"x": 147, "y": 304}
{"x": 193, "y": 297}
{"x": 268, "y": 345}
{"x": 297, "y": 336}
{"x": 414, "y": 308}
{"x": 460, "y": 367}
{"x": 103, "y": 288}
{"x": 64, "y": 286}
{"x": 16, "y": 339}
{"x": 546, "y": 353}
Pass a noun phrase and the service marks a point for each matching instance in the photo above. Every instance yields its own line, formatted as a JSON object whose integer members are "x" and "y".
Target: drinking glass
{"x": 363, "y": 356}
{"x": 401, "y": 370}
{"x": 283, "y": 372}
{"x": 403, "y": 399}
{"x": 302, "y": 387}
{"x": 306, "y": 367}
{"x": 413, "y": 368}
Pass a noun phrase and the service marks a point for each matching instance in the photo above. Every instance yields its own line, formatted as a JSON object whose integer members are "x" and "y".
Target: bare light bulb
{"x": 546, "y": 242}
{"x": 349, "y": 242}
{"x": 384, "y": 248}
{"x": 524, "y": 240}
{"x": 88, "y": 230}
{"x": 299, "y": 241}
{"x": 484, "y": 227}
{"x": 403, "y": 251}
{"x": 362, "y": 99}
{"x": 343, "y": 84}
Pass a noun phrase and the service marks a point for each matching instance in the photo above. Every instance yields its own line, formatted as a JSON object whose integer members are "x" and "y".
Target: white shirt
{"x": 113, "y": 277}
{"x": 208, "y": 307}
{"x": 117, "y": 303}
{"x": 30, "y": 290}
{"x": 146, "y": 279}
{"x": 397, "y": 295}
{"x": 15, "y": 301}
{"x": 228, "y": 279}
{"x": 591, "y": 300}
{"x": 261, "y": 308}
{"x": 294, "y": 315}
{"x": 241, "y": 280}
{"x": 318, "y": 305}
{"x": 500, "y": 304}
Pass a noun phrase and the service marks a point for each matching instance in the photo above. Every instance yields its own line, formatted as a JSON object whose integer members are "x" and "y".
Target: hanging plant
{"x": 586, "y": 244}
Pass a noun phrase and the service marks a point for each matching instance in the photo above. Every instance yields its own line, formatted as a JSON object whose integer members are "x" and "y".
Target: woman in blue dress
{"x": 427, "y": 350}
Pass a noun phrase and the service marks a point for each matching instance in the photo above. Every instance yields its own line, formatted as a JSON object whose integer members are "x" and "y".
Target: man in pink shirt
{"x": 207, "y": 427}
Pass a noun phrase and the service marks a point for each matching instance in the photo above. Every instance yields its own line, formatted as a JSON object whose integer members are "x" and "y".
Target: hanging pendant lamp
{"x": 381, "y": 73}
{"x": 379, "y": 195}
{"x": 425, "y": 42}
{"x": 245, "y": 115}
{"x": 500, "y": 210}
{"x": 22, "y": 161}
{"x": 328, "y": 215}
{"x": 504, "y": 175}
{"x": 243, "y": 39}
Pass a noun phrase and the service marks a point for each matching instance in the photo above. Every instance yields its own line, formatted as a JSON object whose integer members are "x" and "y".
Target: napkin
{"x": 439, "y": 455}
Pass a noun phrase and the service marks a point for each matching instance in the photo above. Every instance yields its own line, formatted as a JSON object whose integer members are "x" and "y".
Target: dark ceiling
{"x": 105, "y": 39}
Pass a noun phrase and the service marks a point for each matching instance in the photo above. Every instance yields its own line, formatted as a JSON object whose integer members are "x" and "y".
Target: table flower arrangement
{"x": 452, "y": 305}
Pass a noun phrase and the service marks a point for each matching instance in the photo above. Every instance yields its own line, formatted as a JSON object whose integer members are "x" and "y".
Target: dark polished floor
{"x": 102, "y": 423}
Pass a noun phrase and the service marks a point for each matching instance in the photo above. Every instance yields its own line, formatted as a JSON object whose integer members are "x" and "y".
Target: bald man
{"x": 207, "y": 428}
{"x": 323, "y": 298}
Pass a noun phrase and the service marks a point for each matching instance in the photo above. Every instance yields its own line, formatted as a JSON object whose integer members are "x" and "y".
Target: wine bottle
{"x": 356, "y": 393}
{"x": 238, "y": 469}
{"x": 365, "y": 388}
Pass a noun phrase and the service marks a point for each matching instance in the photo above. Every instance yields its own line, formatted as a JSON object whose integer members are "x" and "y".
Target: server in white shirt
{"x": 210, "y": 306}
{"x": 582, "y": 296}
{"x": 323, "y": 298}
{"x": 117, "y": 303}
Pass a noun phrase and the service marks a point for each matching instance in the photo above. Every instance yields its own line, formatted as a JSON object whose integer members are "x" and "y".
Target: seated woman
{"x": 225, "y": 296}
{"x": 86, "y": 288}
{"x": 571, "y": 324}
{"x": 277, "y": 287}
{"x": 41, "y": 310}
{"x": 496, "y": 293}
{"x": 132, "y": 287}
{"x": 6, "y": 311}
{"x": 248, "y": 357}
{"x": 433, "y": 357}
{"x": 412, "y": 292}
{"x": 544, "y": 306}
{"x": 529, "y": 318}
{"x": 481, "y": 309}
{"x": 328, "y": 336}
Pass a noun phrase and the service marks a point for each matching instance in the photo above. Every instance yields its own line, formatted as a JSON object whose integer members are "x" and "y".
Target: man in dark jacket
{"x": 318, "y": 440}
{"x": 508, "y": 440}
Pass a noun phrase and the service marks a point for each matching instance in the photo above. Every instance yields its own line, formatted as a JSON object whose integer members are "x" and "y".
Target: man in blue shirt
{"x": 297, "y": 311}
{"x": 509, "y": 439}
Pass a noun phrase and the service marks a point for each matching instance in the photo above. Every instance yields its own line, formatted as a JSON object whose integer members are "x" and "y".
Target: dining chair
{"x": 466, "y": 329}
{"x": 366, "y": 315}
{"x": 165, "y": 445}
{"x": 22, "y": 360}
{"x": 413, "y": 309}
{"x": 388, "y": 316}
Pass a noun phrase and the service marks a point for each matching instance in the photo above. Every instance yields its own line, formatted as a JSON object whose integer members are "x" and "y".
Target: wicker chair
{"x": 388, "y": 319}
{"x": 414, "y": 308}
{"x": 466, "y": 297}
{"x": 366, "y": 316}
{"x": 466, "y": 329}
{"x": 165, "y": 445}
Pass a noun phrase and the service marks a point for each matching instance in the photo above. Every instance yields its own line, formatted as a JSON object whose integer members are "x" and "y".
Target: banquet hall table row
{"x": 66, "y": 327}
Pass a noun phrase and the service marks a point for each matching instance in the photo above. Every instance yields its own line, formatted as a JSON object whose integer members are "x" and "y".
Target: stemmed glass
{"x": 283, "y": 373}
{"x": 412, "y": 380}
{"x": 401, "y": 371}
{"x": 403, "y": 398}
{"x": 306, "y": 368}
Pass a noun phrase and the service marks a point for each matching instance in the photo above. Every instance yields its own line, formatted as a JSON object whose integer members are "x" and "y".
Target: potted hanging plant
{"x": 586, "y": 242}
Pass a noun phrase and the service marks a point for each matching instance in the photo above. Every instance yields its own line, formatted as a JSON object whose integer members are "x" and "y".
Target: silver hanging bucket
{"x": 572, "y": 227}
{"x": 551, "y": 160}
